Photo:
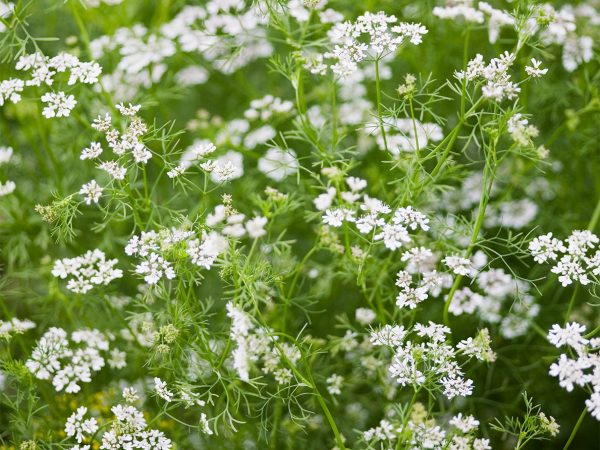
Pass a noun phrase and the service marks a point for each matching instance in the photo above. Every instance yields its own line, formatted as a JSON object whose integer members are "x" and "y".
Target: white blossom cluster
{"x": 129, "y": 429}
{"x": 476, "y": 13}
{"x": 573, "y": 257}
{"x": 562, "y": 30}
{"x": 78, "y": 427}
{"x": 458, "y": 434}
{"x": 498, "y": 83}
{"x": 251, "y": 132}
{"x": 43, "y": 71}
{"x": 380, "y": 37}
{"x": 14, "y": 326}
{"x": 150, "y": 246}
{"x": 122, "y": 141}
{"x": 580, "y": 365}
{"x": 267, "y": 108}
{"x": 9, "y": 186}
{"x": 373, "y": 219}
{"x": 254, "y": 344}
{"x": 227, "y": 35}
{"x": 71, "y": 360}
{"x": 414, "y": 363}
{"x": 491, "y": 292}
{"x": 87, "y": 270}
{"x": 186, "y": 397}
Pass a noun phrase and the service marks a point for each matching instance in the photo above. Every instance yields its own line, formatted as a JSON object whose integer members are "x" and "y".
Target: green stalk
{"x": 379, "y": 106}
{"x": 576, "y": 428}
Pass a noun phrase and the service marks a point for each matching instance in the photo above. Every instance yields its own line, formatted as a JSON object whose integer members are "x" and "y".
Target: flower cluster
{"x": 580, "y": 366}
{"x": 228, "y": 36}
{"x": 14, "y": 326}
{"x": 381, "y": 39}
{"x": 432, "y": 361}
{"x": 71, "y": 360}
{"x": 498, "y": 84}
{"x": 458, "y": 433}
{"x": 254, "y": 344}
{"x": 130, "y": 430}
{"x": 150, "y": 246}
{"x": 9, "y": 186}
{"x": 373, "y": 219}
{"x": 572, "y": 256}
{"x": 87, "y": 270}
{"x": 478, "y": 14}
{"x": 43, "y": 70}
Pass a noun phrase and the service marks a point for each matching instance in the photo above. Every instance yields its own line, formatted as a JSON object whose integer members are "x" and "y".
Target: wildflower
{"x": 113, "y": 169}
{"x": 364, "y": 316}
{"x": 459, "y": 265}
{"x": 348, "y": 51}
{"x": 161, "y": 390}
{"x": 334, "y": 384}
{"x": 85, "y": 72}
{"x": 129, "y": 111}
{"x": 11, "y": 90}
{"x": 535, "y": 70}
{"x": 91, "y": 191}
{"x": 255, "y": 227}
{"x": 92, "y": 268}
{"x": 388, "y": 335}
{"x": 7, "y": 188}
{"x": 546, "y": 247}
{"x": 91, "y": 152}
{"x": 278, "y": 164}
{"x": 393, "y": 236}
{"x": 78, "y": 427}
{"x": 466, "y": 424}
{"x": 59, "y": 104}
{"x": 570, "y": 335}
{"x": 323, "y": 201}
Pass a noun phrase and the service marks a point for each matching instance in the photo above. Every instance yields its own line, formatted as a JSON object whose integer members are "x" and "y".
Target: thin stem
{"x": 379, "y": 106}
{"x": 576, "y": 428}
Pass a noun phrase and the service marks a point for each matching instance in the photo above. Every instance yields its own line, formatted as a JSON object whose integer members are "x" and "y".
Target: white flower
{"x": 393, "y": 236}
{"x": 76, "y": 426}
{"x": 5, "y": 154}
{"x": 113, "y": 169}
{"x": 228, "y": 167}
{"x": 91, "y": 152}
{"x": 571, "y": 335}
{"x": 334, "y": 384}
{"x": 459, "y": 265}
{"x": 593, "y": 405}
{"x": 323, "y": 201}
{"x": 85, "y": 72}
{"x": 91, "y": 191}
{"x": 128, "y": 111}
{"x": 364, "y": 316}
{"x": 411, "y": 218}
{"x": 256, "y": 227}
{"x": 466, "y": 424}
{"x": 535, "y": 70}
{"x": 162, "y": 390}
{"x": 391, "y": 336}
{"x": 278, "y": 164}
{"x": 59, "y": 104}
{"x": 569, "y": 372}
{"x": 546, "y": 247}
{"x": 7, "y": 188}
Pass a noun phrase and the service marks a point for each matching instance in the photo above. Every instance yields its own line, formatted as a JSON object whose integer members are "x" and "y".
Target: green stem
{"x": 576, "y": 428}
{"x": 379, "y": 106}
